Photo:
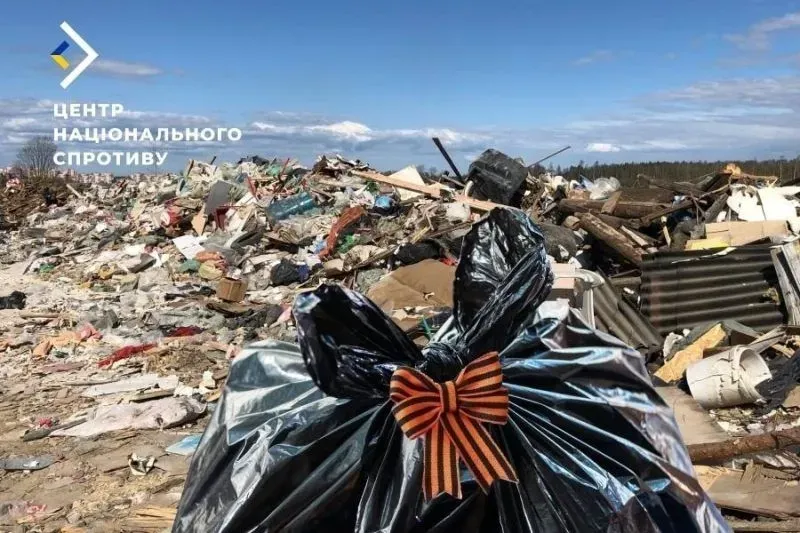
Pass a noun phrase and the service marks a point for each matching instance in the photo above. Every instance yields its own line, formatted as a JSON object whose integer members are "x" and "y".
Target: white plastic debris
{"x": 157, "y": 414}
{"x": 727, "y": 379}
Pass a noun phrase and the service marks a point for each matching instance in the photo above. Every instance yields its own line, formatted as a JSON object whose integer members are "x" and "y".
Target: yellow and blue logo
{"x": 58, "y": 55}
{"x": 61, "y": 61}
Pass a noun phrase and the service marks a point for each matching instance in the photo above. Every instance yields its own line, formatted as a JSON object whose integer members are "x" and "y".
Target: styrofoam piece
{"x": 727, "y": 379}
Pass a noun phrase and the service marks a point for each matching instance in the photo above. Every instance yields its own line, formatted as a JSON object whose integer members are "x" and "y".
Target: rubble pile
{"x": 125, "y": 299}
{"x": 18, "y": 197}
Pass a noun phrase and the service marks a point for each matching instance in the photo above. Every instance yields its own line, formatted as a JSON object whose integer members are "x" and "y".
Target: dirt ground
{"x": 89, "y": 487}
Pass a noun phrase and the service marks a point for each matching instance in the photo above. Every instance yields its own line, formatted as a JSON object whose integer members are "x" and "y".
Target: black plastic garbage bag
{"x": 304, "y": 440}
{"x": 15, "y": 300}
{"x": 497, "y": 177}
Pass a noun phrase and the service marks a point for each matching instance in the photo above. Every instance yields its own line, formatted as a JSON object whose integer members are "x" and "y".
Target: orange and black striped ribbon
{"x": 450, "y": 415}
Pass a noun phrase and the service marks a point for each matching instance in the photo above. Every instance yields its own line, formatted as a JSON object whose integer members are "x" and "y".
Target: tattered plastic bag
{"x": 305, "y": 440}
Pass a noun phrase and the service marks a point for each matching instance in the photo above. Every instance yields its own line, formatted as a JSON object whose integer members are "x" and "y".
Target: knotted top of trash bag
{"x": 351, "y": 348}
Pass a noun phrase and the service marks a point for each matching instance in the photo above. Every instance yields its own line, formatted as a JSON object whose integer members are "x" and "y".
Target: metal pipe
{"x": 542, "y": 160}
{"x": 446, "y": 156}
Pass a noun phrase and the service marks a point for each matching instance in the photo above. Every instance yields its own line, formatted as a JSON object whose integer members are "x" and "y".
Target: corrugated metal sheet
{"x": 688, "y": 288}
{"x": 616, "y": 316}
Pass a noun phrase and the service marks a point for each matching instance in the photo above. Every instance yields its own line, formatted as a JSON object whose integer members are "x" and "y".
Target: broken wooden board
{"x": 687, "y": 189}
{"x": 622, "y": 209}
{"x": 150, "y": 519}
{"x": 674, "y": 368}
{"x": 761, "y": 526}
{"x": 650, "y": 218}
{"x": 433, "y": 191}
{"x": 480, "y": 205}
{"x": 756, "y": 490}
{"x": 616, "y": 240}
{"x": 611, "y": 203}
{"x": 695, "y": 423}
{"x": 789, "y": 291}
{"x": 399, "y": 182}
{"x": 793, "y": 399}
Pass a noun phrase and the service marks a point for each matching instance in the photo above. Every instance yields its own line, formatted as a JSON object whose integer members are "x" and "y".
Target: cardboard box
{"x": 231, "y": 290}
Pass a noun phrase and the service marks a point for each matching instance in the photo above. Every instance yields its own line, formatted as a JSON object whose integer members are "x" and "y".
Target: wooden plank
{"x": 754, "y": 491}
{"x": 791, "y": 255}
{"x": 633, "y": 229}
{"x": 744, "y": 526}
{"x": 151, "y": 518}
{"x": 695, "y": 423}
{"x": 635, "y": 236}
{"x": 772, "y": 339}
{"x": 613, "y": 238}
{"x": 611, "y": 203}
{"x": 667, "y": 211}
{"x": 429, "y": 190}
{"x": 73, "y": 191}
{"x": 718, "y": 452}
{"x": 716, "y": 208}
{"x": 623, "y": 209}
{"x": 680, "y": 188}
{"x": 790, "y": 297}
{"x": 480, "y": 205}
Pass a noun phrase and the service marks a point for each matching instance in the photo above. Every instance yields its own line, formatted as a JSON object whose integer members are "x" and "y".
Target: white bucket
{"x": 728, "y": 378}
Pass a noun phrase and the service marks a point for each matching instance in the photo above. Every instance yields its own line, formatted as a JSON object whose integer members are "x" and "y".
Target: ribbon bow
{"x": 449, "y": 416}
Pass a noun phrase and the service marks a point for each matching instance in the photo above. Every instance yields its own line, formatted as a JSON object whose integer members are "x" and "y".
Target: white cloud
{"x": 768, "y": 92}
{"x": 19, "y": 122}
{"x": 655, "y": 145}
{"x": 122, "y": 68}
{"x": 594, "y": 57}
{"x": 602, "y": 147}
{"x": 347, "y": 130}
{"x": 706, "y": 120}
{"x": 361, "y": 135}
{"x": 758, "y": 36}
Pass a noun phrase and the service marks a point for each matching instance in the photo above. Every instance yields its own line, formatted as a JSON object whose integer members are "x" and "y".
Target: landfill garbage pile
{"x": 125, "y": 300}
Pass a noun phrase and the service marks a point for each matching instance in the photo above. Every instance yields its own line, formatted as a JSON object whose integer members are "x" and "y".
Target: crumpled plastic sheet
{"x": 304, "y": 440}
{"x": 164, "y": 413}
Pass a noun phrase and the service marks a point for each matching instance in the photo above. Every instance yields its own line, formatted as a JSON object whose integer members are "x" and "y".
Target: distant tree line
{"x": 674, "y": 170}
{"x": 786, "y": 169}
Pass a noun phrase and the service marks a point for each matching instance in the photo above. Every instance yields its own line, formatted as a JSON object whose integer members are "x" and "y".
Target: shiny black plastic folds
{"x": 303, "y": 440}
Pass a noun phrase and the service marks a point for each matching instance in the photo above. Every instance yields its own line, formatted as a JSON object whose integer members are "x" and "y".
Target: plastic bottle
{"x": 294, "y": 205}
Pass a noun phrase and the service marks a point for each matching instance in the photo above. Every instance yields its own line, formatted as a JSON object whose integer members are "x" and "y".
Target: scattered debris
{"x": 185, "y": 446}
{"x": 126, "y": 299}
{"x": 163, "y": 413}
{"x": 26, "y": 463}
{"x": 141, "y": 466}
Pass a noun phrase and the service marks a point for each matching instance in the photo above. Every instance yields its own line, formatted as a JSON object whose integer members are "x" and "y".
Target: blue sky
{"x": 618, "y": 80}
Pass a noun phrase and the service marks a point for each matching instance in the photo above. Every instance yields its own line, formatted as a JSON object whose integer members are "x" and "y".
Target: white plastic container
{"x": 727, "y": 379}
